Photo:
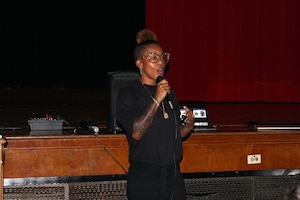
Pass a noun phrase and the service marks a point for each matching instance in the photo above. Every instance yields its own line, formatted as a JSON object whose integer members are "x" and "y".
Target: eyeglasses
{"x": 154, "y": 57}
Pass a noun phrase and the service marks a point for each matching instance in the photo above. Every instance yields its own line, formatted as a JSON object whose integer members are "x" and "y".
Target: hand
{"x": 190, "y": 118}
{"x": 163, "y": 88}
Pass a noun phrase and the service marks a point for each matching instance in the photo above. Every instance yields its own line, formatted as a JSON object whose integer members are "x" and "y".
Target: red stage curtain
{"x": 230, "y": 50}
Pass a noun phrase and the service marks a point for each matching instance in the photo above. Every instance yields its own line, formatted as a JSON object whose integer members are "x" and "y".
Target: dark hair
{"x": 144, "y": 38}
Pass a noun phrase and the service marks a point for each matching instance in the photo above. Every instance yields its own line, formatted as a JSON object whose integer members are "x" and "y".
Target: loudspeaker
{"x": 116, "y": 81}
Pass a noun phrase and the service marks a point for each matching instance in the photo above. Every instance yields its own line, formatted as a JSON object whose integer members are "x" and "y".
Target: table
{"x": 107, "y": 154}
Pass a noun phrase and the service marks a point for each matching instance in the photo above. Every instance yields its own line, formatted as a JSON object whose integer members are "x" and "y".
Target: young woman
{"x": 148, "y": 111}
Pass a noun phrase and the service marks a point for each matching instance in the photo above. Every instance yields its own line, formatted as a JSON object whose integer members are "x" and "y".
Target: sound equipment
{"x": 116, "y": 81}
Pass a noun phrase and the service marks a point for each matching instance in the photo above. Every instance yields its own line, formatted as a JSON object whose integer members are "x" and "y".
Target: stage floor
{"x": 17, "y": 105}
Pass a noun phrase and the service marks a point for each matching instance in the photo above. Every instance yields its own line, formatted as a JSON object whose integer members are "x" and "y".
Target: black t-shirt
{"x": 162, "y": 142}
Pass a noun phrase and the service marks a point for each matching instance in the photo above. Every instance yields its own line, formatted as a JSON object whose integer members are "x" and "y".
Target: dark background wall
{"x": 67, "y": 43}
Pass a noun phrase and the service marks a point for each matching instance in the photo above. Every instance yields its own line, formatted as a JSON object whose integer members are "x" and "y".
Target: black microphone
{"x": 159, "y": 79}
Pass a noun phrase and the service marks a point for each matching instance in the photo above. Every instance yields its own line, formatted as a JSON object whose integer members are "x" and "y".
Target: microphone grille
{"x": 159, "y": 78}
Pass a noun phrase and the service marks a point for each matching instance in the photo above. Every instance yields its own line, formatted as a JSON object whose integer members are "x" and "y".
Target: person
{"x": 148, "y": 111}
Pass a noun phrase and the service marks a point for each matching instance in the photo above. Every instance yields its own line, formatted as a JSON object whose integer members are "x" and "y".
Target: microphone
{"x": 93, "y": 129}
{"x": 85, "y": 125}
{"x": 159, "y": 79}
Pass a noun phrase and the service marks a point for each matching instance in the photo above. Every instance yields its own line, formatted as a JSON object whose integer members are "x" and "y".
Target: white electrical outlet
{"x": 253, "y": 159}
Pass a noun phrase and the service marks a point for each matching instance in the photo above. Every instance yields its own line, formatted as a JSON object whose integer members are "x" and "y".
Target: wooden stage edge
{"x": 107, "y": 154}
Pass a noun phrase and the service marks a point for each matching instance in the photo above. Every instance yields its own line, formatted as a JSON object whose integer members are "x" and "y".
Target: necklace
{"x": 162, "y": 107}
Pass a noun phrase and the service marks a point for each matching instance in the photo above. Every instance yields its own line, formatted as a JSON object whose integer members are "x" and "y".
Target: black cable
{"x": 105, "y": 149}
{"x": 174, "y": 156}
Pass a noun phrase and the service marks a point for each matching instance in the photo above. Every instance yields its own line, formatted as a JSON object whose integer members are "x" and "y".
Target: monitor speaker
{"x": 116, "y": 81}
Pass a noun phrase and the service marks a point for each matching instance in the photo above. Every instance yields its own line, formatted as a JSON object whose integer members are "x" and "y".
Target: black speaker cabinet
{"x": 116, "y": 81}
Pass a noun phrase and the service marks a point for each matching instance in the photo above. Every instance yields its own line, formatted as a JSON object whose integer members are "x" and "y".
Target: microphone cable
{"x": 108, "y": 153}
{"x": 175, "y": 139}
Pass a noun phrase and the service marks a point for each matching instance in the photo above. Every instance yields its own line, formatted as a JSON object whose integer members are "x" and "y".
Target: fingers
{"x": 188, "y": 112}
{"x": 190, "y": 118}
{"x": 163, "y": 88}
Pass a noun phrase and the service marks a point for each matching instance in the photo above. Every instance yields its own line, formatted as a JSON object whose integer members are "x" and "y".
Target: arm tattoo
{"x": 142, "y": 123}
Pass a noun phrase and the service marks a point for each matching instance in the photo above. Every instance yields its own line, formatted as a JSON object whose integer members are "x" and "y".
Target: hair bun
{"x": 145, "y": 35}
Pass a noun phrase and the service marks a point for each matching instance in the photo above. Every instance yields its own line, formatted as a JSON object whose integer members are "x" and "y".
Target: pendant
{"x": 166, "y": 115}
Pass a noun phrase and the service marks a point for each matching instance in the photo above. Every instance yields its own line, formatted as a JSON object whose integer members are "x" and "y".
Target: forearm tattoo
{"x": 142, "y": 123}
